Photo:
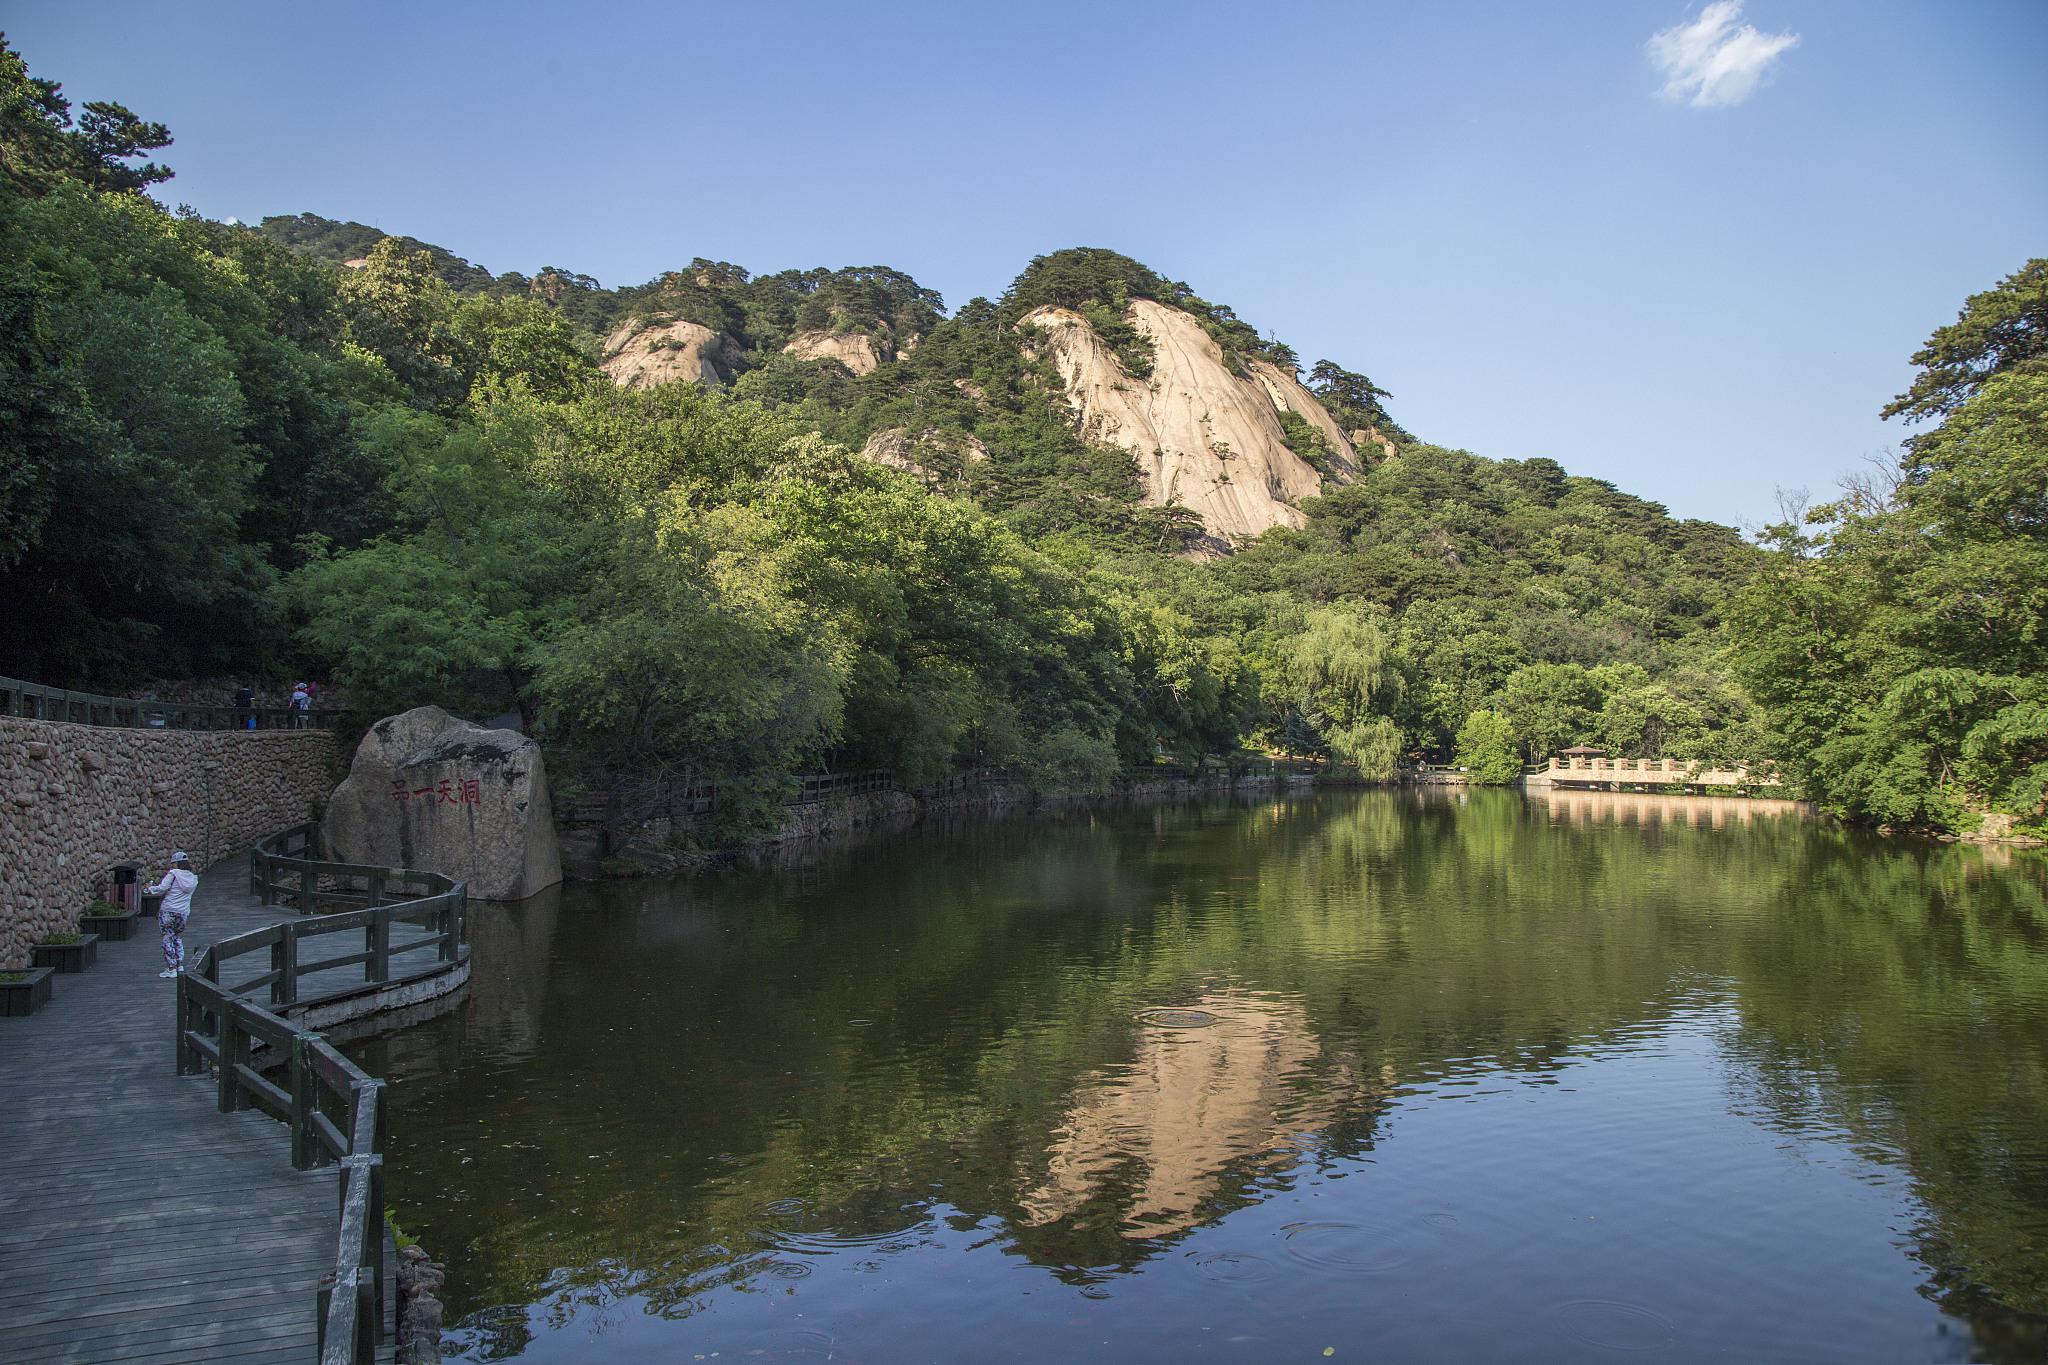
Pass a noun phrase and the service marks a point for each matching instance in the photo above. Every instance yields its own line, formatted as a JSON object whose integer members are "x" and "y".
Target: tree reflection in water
{"x": 659, "y": 1095}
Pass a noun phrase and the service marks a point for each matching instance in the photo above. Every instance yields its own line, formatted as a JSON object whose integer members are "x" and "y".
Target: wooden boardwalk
{"x": 138, "y": 1223}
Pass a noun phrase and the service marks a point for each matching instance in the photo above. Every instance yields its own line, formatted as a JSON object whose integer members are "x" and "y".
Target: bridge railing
{"x": 34, "y": 701}
{"x": 335, "y": 1111}
{"x": 1660, "y": 771}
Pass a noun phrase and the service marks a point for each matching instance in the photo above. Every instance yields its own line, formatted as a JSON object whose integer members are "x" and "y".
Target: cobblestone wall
{"x": 76, "y": 799}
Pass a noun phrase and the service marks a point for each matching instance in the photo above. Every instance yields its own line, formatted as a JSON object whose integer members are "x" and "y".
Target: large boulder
{"x": 429, "y": 791}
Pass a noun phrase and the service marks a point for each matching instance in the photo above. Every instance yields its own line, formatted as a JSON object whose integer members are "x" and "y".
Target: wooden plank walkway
{"x": 138, "y": 1223}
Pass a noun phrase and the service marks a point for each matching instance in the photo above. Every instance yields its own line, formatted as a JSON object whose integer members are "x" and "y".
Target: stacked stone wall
{"x": 77, "y": 799}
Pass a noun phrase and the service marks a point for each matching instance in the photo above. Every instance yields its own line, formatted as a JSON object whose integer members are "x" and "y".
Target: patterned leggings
{"x": 174, "y": 945}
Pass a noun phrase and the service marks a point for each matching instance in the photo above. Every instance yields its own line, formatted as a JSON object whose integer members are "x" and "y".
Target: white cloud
{"x": 1716, "y": 60}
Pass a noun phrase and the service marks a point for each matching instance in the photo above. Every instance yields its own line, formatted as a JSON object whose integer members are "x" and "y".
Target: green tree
{"x": 2002, "y": 330}
{"x": 1897, "y": 647}
{"x": 1551, "y": 706}
{"x": 1344, "y": 682}
{"x": 1486, "y": 749}
{"x": 40, "y": 148}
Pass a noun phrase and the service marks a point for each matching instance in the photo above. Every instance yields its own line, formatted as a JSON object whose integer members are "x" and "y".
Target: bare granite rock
{"x": 1205, "y": 436}
{"x": 640, "y": 355}
{"x": 430, "y": 791}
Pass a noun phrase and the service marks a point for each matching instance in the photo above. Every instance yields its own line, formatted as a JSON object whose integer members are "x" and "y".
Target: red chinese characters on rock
{"x": 449, "y": 791}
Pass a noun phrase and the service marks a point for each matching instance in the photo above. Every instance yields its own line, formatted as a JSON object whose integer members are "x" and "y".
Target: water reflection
{"x": 1222, "y": 1092}
{"x": 1434, "y": 1072}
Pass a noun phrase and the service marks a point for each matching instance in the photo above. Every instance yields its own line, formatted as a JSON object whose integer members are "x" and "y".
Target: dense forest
{"x": 310, "y": 446}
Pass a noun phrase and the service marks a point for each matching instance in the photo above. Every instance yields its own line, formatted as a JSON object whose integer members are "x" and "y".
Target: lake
{"x": 1384, "y": 1075}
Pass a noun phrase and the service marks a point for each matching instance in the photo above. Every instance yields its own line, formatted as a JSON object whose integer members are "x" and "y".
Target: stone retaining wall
{"x": 76, "y": 799}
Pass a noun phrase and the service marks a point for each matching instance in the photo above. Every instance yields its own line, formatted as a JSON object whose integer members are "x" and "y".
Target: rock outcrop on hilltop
{"x": 934, "y": 456}
{"x": 1204, "y": 436}
{"x": 857, "y": 351}
{"x": 639, "y": 355}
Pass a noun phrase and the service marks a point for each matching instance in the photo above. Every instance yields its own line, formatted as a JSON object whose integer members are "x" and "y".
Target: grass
{"x": 399, "y": 1238}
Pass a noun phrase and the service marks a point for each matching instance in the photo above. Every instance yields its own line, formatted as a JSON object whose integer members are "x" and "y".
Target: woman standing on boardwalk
{"x": 176, "y": 888}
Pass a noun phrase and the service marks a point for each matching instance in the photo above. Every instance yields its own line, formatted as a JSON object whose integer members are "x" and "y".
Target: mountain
{"x": 1174, "y": 420}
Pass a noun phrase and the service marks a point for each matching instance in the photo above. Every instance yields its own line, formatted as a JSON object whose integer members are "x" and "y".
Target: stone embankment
{"x": 658, "y": 846}
{"x": 76, "y": 799}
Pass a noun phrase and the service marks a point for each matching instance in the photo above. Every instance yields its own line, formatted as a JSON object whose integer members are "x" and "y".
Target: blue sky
{"x": 1495, "y": 209}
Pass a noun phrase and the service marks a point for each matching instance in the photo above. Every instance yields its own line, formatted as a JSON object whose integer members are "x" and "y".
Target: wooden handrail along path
{"x": 336, "y": 1113}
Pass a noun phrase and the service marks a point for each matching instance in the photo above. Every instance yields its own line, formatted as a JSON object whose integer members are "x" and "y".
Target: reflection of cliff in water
{"x": 1203, "y": 1105}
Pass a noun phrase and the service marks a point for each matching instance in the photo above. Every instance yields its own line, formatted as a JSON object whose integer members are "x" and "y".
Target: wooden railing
{"x": 336, "y": 1112}
{"x": 37, "y": 702}
{"x": 831, "y": 786}
{"x": 287, "y": 869}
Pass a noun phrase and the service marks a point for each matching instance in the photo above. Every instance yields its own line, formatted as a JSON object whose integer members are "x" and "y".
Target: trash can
{"x": 124, "y": 886}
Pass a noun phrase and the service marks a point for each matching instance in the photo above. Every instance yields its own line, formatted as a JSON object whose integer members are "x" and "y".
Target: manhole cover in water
{"x": 1177, "y": 1018}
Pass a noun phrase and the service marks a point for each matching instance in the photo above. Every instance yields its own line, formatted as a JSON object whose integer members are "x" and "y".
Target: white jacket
{"x": 176, "y": 888}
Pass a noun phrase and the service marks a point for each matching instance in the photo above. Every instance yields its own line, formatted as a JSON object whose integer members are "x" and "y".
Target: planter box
{"x": 68, "y": 957}
{"x": 109, "y": 928}
{"x": 27, "y": 995}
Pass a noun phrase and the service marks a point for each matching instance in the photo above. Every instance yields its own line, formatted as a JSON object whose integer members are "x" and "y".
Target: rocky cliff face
{"x": 1205, "y": 437}
{"x": 857, "y": 351}
{"x": 640, "y": 355}
{"x": 935, "y": 457}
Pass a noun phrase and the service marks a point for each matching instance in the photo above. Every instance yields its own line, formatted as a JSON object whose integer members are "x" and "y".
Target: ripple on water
{"x": 1232, "y": 1267}
{"x": 801, "y": 1345}
{"x": 1176, "y": 1018}
{"x": 794, "y": 1225}
{"x": 1615, "y": 1326}
{"x": 1356, "y": 1247}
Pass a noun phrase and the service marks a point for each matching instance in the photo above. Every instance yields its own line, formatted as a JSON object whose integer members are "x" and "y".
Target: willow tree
{"x": 1341, "y": 671}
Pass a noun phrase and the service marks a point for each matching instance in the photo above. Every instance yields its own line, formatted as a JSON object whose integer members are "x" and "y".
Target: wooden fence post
{"x": 284, "y": 958}
{"x": 378, "y": 934}
{"x": 306, "y": 1149}
{"x": 182, "y": 1015}
{"x": 230, "y": 1053}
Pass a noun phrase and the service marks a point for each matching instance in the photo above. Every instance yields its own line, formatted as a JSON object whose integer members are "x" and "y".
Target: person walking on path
{"x": 302, "y": 703}
{"x": 245, "y": 707}
{"x": 176, "y": 888}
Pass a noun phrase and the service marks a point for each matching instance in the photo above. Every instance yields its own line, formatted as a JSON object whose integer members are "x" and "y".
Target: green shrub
{"x": 1486, "y": 749}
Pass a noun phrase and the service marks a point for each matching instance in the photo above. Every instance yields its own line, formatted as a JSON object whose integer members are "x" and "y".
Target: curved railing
{"x": 336, "y": 1112}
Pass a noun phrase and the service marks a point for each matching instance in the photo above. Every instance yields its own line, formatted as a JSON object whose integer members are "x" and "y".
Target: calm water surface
{"x": 1365, "y": 1077}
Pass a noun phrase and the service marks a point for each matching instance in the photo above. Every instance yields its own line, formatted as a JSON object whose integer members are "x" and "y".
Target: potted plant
{"x": 67, "y": 952}
{"x": 109, "y": 921}
{"x": 24, "y": 991}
